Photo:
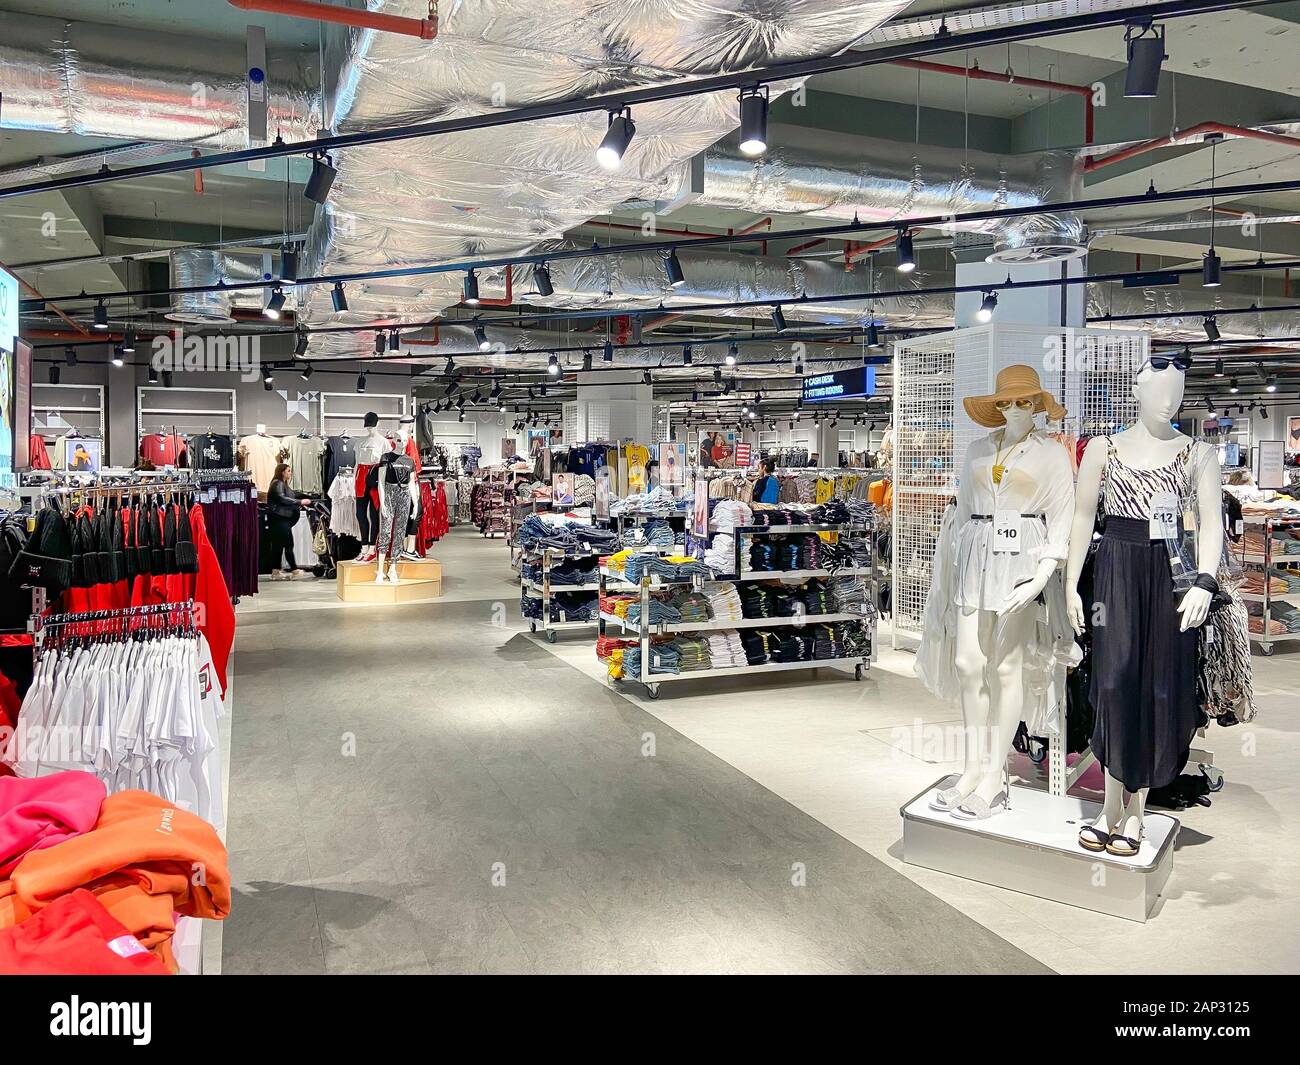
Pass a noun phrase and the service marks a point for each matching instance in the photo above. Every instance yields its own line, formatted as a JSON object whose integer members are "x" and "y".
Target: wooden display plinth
{"x": 417, "y": 582}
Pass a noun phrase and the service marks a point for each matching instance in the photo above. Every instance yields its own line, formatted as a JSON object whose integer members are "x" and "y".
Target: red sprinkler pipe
{"x": 424, "y": 28}
{"x": 1183, "y": 136}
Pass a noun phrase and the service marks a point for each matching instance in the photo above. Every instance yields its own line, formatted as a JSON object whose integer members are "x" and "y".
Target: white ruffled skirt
{"x": 984, "y": 578}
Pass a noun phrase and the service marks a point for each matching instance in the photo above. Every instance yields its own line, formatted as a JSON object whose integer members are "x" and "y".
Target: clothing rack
{"x": 157, "y": 618}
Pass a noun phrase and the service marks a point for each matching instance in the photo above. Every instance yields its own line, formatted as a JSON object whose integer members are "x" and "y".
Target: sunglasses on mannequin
{"x": 1162, "y": 362}
{"x": 1019, "y": 404}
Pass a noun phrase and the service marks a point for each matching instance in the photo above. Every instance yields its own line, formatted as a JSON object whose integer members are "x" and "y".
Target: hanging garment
{"x": 39, "y": 456}
{"x": 212, "y": 451}
{"x": 424, "y": 535}
{"x": 339, "y": 453}
{"x": 163, "y": 449}
{"x": 304, "y": 454}
{"x": 343, "y": 507}
{"x": 259, "y": 455}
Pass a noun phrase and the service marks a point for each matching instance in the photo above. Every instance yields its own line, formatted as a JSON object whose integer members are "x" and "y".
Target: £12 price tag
{"x": 1164, "y": 516}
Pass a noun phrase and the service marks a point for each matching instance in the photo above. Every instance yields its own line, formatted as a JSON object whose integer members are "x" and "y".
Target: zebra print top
{"x": 1127, "y": 491}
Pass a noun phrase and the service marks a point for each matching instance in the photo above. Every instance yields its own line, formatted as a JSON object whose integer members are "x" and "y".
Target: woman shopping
{"x": 284, "y": 507}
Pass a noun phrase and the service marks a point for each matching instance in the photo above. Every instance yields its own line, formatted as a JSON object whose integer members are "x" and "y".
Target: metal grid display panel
{"x": 1089, "y": 370}
{"x": 570, "y": 421}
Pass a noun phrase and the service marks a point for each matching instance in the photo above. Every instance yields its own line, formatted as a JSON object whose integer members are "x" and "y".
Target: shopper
{"x": 284, "y": 506}
{"x": 767, "y": 489}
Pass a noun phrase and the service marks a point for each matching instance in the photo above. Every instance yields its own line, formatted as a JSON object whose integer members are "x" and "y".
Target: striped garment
{"x": 1127, "y": 492}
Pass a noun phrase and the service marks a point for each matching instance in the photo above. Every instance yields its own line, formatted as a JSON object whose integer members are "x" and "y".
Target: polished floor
{"x": 428, "y": 788}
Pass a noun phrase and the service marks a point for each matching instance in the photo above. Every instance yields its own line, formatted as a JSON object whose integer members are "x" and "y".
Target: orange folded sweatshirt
{"x": 143, "y": 860}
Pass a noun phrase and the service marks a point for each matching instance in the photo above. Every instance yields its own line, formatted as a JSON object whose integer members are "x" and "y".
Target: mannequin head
{"x": 1018, "y": 421}
{"x": 370, "y": 420}
{"x": 1159, "y": 392}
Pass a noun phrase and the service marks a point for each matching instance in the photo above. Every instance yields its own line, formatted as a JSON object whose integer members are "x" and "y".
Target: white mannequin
{"x": 412, "y": 487}
{"x": 1148, "y": 445}
{"x": 991, "y": 643}
{"x": 369, "y": 450}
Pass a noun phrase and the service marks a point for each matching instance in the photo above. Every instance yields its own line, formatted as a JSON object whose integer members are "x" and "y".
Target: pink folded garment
{"x": 43, "y": 811}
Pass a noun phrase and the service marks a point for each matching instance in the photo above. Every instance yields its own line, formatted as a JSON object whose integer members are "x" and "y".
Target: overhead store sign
{"x": 842, "y": 384}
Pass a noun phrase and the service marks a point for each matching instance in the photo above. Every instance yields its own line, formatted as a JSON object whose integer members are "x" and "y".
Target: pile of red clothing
{"x": 92, "y": 885}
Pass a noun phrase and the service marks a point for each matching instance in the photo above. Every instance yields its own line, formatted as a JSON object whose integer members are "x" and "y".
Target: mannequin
{"x": 406, "y": 445}
{"x": 371, "y": 448}
{"x": 396, "y": 483}
{"x": 1014, "y": 504}
{"x": 1145, "y": 648}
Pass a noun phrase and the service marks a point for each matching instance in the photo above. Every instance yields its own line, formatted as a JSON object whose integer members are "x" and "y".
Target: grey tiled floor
{"x": 427, "y": 790}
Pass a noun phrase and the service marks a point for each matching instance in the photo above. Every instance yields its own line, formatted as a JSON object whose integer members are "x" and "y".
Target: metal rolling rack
{"x": 548, "y": 556}
{"x": 645, "y": 630}
{"x": 1267, "y": 561}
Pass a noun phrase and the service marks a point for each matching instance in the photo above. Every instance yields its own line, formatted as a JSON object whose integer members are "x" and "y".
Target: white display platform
{"x": 1033, "y": 848}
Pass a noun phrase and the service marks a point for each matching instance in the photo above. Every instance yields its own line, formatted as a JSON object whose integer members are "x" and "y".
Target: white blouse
{"x": 1038, "y": 478}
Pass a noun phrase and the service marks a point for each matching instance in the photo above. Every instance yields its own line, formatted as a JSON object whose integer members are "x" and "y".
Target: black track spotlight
{"x": 688, "y": 356}
{"x": 119, "y": 356}
{"x": 288, "y": 265}
{"x": 541, "y": 388}
{"x": 300, "y": 343}
{"x": 70, "y": 355}
{"x": 268, "y": 384}
{"x": 553, "y": 365}
{"x": 55, "y": 370}
{"x": 753, "y": 121}
{"x": 1210, "y": 408}
{"x": 361, "y": 381}
{"x": 322, "y": 178}
{"x": 305, "y": 372}
{"x": 607, "y": 353}
{"x": 1263, "y": 412}
{"x": 1233, "y": 386}
{"x": 617, "y": 137}
{"x": 717, "y": 376}
{"x": 481, "y": 337}
{"x": 152, "y": 376}
{"x": 1270, "y": 384}
{"x": 905, "y": 261}
{"x": 101, "y": 317}
{"x": 646, "y": 379}
{"x": 1211, "y": 327}
{"x": 339, "y": 297}
{"x": 394, "y": 341}
{"x": 586, "y": 360}
{"x": 778, "y": 319}
{"x": 542, "y": 279}
{"x": 873, "y": 335}
{"x": 1146, "y": 51}
{"x": 673, "y": 268}
{"x": 450, "y": 368}
{"x": 733, "y": 354}
{"x": 274, "y": 304}
{"x": 128, "y": 341}
{"x": 381, "y": 342}
{"x": 496, "y": 390}
{"x": 1211, "y": 270}
{"x": 268, "y": 377}
{"x": 1218, "y": 367}
{"x": 469, "y": 290}
{"x": 987, "y": 307}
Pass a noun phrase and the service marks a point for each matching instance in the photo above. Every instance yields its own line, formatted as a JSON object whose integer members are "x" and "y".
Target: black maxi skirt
{"x": 1143, "y": 688}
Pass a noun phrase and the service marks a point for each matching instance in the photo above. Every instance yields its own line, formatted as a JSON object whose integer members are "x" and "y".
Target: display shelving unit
{"x": 644, "y": 630}
{"x": 1268, "y": 560}
{"x": 549, "y": 557}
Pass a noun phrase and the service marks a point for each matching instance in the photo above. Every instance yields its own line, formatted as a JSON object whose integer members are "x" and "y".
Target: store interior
{"x": 801, "y": 490}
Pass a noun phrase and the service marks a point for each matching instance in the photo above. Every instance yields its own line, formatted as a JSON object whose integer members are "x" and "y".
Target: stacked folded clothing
{"x": 658, "y": 533}
{"x": 786, "y": 602}
{"x": 692, "y": 606}
{"x": 730, "y": 513}
{"x": 616, "y": 604}
{"x": 793, "y": 646}
{"x": 658, "y": 611}
{"x": 848, "y": 595}
{"x": 756, "y": 601}
{"x": 611, "y": 652}
{"x": 663, "y": 659}
{"x": 829, "y": 641}
{"x": 725, "y": 649}
{"x": 692, "y": 653}
{"x": 1283, "y": 613}
{"x": 817, "y": 598}
{"x": 574, "y": 571}
{"x": 666, "y": 567}
{"x": 759, "y": 645}
{"x": 762, "y": 554}
{"x": 724, "y": 601}
{"x": 657, "y": 501}
{"x": 721, "y": 555}
{"x": 766, "y": 516}
{"x": 832, "y": 512}
{"x": 570, "y": 537}
{"x": 574, "y": 606}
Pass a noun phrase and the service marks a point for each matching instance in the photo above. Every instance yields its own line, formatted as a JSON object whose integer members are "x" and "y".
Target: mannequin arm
{"x": 1195, "y": 606}
{"x": 1087, "y": 493}
{"x": 1058, "y": 507}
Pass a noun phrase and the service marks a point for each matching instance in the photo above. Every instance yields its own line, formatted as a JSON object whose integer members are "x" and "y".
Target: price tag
{"x": 1006, "y": 532}
{"x": 1209, "y": 634}
{"x": 1164, "y": 516}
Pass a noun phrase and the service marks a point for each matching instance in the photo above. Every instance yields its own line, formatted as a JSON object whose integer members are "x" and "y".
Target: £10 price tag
{"x": 1164, "y": 516}
{"x": 1006, "y": 532}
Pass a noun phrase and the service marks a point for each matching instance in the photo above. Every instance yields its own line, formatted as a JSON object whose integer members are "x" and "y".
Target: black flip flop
{"x": 1098, "y": 843}
{"x": 1128, "y": 840}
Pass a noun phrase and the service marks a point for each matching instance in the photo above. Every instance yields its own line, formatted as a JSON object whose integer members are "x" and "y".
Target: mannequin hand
{"x": 1194, "y": 608}
{"x": 1024, "y": 594}
{"x": 1074, "y": 610}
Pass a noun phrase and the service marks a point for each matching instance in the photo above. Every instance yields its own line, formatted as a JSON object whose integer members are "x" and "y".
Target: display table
{"x": 1033, "y": 848}
{"x": 417, "y": 581}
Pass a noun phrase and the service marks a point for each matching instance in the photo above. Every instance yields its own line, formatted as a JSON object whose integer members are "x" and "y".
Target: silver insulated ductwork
{"x": 1185, "y": 308}
{"x": 201, "y": 267}
{"x": 501, "y": 191}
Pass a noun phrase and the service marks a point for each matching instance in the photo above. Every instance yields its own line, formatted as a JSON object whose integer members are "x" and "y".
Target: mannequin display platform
{"x": 1145, "y": 648}
{"x": 999, "y": 551}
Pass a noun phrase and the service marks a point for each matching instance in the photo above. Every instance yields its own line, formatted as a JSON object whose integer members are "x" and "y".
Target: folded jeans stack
{"x": 759, "y": 645}
{"x": 692, "y": 607}
{"x": 692, "y": 653}
{"x": 663, "y": 659}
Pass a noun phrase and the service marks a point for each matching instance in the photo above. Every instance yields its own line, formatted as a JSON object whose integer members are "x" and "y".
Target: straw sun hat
{"x": 1013, "y": 382}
